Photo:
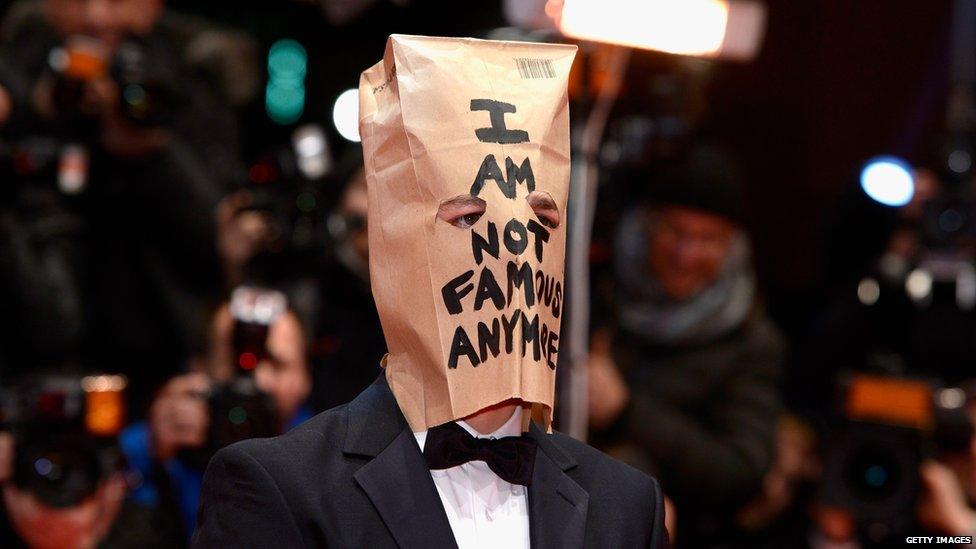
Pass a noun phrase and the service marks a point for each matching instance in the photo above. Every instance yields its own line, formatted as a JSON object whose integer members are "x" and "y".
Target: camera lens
{"x": 59, "y": 475}
{"x": 872, "y": 474}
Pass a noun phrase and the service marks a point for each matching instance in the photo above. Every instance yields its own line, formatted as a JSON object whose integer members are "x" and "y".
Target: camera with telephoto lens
{"x": 65, "y": 432}
{"x": 891, "y": 424}
{"x": 146, "y": 96}
{"x": 238, "y": 408}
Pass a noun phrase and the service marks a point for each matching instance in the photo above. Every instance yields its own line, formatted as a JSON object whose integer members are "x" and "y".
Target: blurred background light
{"x": 888, "y": 180}
{"x": 284, "y": 97}
{"x": 959, "y": 161}
{"x": 287, "y": 60}
{"x": 345, "y": 115}
{"x": 951, "y": 397}
{"x": 711, "y": 28}
{"x": 868, "y": 291}
{"x": 312, "y": 151}
{"x": 918, "y": 285}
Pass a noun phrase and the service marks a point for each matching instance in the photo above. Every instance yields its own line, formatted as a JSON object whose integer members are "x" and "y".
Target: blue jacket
{"x": 186, "y": 480}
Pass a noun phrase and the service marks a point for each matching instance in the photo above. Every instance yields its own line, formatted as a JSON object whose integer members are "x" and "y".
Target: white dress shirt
{"x": 484, "y": 510}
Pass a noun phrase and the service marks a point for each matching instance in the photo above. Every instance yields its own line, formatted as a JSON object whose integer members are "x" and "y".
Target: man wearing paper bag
{"x": 466, "y": 145}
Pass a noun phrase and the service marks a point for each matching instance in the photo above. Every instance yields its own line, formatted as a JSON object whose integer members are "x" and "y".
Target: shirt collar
{"x": 511, "y": 428}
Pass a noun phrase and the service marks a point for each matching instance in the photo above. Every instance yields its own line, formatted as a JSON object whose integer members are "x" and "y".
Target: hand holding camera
{"x": 608, "y": 392}
{"x": 881, "y": 468}
{"x": 111, "y": 97}
{"x": 942, "y": 505}
{"x": 6, "y": 106}
{"x": 241, "y": 233}
{"x": 256, "y": 381}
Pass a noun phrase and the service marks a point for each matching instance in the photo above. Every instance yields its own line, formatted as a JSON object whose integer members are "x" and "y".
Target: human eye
{"x": 462, "y": 211}
{"x": 545, "y": 208}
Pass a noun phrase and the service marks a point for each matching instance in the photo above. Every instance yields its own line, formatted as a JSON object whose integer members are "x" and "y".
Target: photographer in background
{"x": 64, "y": 482}
{"x": 6, "y": 106}
{"x": 686, "y": 384}
{"x": 348, "y": 344}
{"x": 195, "y": 414}
{"x": 895, "y": 468}
{"x": 128, "y": 87}
{"x": 947, "y": 504}
{"x": 345, "y": 338}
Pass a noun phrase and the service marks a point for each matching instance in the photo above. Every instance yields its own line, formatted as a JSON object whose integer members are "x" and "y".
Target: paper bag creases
{"x": 470, "y": 306}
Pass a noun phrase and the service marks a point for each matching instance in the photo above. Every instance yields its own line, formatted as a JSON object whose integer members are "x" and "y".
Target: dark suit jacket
{"x": 354, "y": 476}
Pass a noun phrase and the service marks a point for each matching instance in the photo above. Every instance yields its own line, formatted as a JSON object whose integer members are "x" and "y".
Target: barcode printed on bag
{"x": 535, "y": 68}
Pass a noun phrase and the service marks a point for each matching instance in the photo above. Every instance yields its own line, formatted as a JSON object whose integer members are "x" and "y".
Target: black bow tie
{"x": 511, "y": 458}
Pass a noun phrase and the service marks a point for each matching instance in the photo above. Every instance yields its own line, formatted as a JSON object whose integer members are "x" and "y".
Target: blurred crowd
{"x": 166, "y": 292}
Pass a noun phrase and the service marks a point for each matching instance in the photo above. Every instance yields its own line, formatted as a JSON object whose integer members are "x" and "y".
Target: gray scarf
{"x": 644, "y": 309}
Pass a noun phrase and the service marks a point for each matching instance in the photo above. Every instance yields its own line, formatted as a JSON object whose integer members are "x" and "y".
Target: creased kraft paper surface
{"x": 471, "y": 314}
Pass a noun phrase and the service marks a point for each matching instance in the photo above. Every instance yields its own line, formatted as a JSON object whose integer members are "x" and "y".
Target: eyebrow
{"x": 463, "y": 200}
{"x": 542, "y": 200}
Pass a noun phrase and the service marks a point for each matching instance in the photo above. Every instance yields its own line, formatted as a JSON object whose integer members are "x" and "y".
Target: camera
{"x": 146, "y": 97}
{"x": 238, "y": 408}
{"x": 286, "y": 189}
{"x": 65, "y": 430}
{"x": 872, "y": 465}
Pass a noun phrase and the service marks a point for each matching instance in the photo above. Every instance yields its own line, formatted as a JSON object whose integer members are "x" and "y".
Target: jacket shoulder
{"x": 596, "y": 470}
{"x": 623, "y": 500}
{"x": 315, "y": 437}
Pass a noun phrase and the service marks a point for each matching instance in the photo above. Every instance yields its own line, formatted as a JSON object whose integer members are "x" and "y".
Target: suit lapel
{"x": 396, "y": 479}
{"x": 399, "y": 484}
{"x": 557, "y": 504}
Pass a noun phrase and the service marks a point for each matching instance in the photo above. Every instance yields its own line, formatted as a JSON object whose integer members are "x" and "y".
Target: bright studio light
{"x": 345, "y": 114}
{"x": 712, "y": 28}
{"x": 311, "y": 151}
{"x": 888, "y": 180}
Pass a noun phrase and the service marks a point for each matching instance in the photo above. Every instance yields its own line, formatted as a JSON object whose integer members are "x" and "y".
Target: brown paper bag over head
{"x": 466, "y": 146}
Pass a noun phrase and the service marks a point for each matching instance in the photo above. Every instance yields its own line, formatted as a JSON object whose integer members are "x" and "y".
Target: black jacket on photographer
{"x": 143, "y": 266}
{"x": 703, "y": 373}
